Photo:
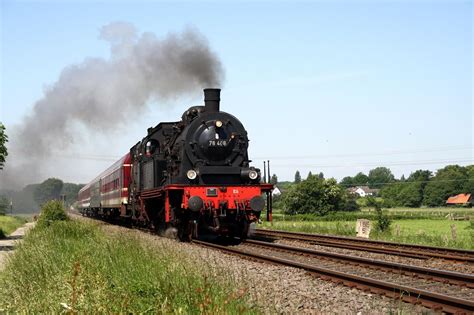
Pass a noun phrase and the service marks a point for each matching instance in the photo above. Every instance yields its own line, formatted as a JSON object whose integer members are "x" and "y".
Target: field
{"x": 8, "y": 224}
{"x": 77, "y": 267}
{"x": 417, "y": 226}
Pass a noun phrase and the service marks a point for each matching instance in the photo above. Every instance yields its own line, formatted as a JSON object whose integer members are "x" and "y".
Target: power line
{"x": 432, "y": 180}
{"x": 394, "y": 163}
{"x": 362, "y": 154}
{"x": 391, "y": 152}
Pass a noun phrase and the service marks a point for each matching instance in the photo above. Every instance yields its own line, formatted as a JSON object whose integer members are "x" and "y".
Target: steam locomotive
{"x": 193, "y": 175}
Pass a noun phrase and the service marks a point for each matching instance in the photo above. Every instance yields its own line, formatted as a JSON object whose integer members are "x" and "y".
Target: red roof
{"x": 459, "y": 199}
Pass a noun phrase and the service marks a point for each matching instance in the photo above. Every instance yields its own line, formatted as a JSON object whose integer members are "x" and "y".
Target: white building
{"x": 363, "y": 191}
{"x": 276, "y": 191}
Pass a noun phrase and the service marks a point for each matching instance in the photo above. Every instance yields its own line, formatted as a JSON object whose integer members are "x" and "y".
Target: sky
{"x": 334, "y": 87}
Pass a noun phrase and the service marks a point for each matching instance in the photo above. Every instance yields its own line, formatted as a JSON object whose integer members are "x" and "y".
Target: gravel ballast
{"x": 428, "y": 263}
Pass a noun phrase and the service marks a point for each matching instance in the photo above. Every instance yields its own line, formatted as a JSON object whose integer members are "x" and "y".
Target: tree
{"x": 48, "y": 190}
{"x": 297, "y": 177}
{"x": 274, "y": 179}
{"x": 3, "y": 148}
{"x": 321, "y": 175}
{"x": 380, "y": 176}
{"x": 390, "y": 194}
{"x": 349, "y": 202}
{"x": 314, "y": 195}
{"x": 360, "y": 179}
{"x": 407, "y": 193}
{"x": 448, "y": 181}
{"x": 347, "y": 182}
{"x": 24, "y": 201}
{"x": 4, "y": 203}
{"x": 469, "y": 185}
{"x": 309, "y": 175}
{"x": 420, "y": 176}
{"x": 411, "y": 195}
{"x": 70, "y": 191}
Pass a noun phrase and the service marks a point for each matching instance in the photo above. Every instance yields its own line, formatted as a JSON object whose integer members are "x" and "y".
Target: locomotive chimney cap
{"x": 212, "y": 97}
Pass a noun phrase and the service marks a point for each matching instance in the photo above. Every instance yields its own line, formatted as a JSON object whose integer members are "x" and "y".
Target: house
{"x": 276, "y": 191}
{"x": 363, "y": 191}
{"x": 459, "y": 200}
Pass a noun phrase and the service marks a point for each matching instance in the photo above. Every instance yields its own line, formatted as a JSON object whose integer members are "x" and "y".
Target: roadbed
{"x": 7, "y": 246}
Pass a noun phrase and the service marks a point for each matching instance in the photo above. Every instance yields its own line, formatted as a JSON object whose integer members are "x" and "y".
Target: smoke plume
{"x": 99, "y": 94}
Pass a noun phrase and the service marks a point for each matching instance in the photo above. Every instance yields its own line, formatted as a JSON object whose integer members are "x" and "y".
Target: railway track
{"x": 382, "y": 247}
{"x": 441, "y": 290}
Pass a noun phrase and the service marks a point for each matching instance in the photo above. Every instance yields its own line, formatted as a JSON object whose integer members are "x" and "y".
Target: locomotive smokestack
{"x": 212, "y": 97}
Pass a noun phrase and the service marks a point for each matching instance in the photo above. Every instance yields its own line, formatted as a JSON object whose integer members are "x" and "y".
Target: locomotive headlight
{"x": 191, "y": 174}
{"x": 218, "y": 123}
{"x": 253, "y": 174}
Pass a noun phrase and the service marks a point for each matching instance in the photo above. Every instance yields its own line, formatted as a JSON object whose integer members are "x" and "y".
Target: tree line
{"x": 315, "y": 194}
{"x": 421, "y": 188}
{"x": 31, "y": 197}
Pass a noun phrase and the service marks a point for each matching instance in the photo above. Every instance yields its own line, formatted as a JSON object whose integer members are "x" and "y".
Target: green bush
{"x": 349, "y": 202}
{"x": 314, "y": 195}
{"x": 52, "y": 211}
{"x": 383, "y": 220}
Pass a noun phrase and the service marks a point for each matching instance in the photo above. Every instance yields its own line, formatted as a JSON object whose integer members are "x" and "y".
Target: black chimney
{"x": 212, "y": 98}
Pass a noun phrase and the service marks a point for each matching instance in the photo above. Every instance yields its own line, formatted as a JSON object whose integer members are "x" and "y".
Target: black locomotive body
{"x": 193, "y": 174}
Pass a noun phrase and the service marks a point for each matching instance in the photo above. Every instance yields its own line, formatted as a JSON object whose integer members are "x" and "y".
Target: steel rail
{"x": 437, "y": 301}
{"x": 435, "y": 274}
{"x": 391, "y": 248}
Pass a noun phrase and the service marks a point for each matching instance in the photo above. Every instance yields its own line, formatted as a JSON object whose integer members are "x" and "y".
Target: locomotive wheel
{"x": 185, "y": 231}
{"x": 241, "y": 230}
{"x": 244, "y": 232}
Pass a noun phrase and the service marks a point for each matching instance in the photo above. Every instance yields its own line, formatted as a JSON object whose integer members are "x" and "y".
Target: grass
{"x": 9, "y": 224}
{"x": 426, "y": 227}
{"x": 369, "y": 213}
{"x": 77, "y": 267}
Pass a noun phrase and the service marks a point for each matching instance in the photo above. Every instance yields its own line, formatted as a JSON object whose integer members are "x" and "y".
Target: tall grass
{"x": 76, "y": 266}
{"x": 8, "y": 224}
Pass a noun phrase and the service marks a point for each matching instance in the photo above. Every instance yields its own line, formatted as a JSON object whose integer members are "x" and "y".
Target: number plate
{"x": 211, "y": 192}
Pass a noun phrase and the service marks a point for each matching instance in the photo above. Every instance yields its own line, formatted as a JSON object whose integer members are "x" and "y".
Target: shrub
{"x": 383, "y": 220}
{"x": 349, "y": 202}
{"x": 313, "y": 195}
{"x": 2, "y": 234}
{"x": 52, "y": 211}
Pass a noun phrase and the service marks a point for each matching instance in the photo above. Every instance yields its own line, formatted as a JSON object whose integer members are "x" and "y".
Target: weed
{"x": 383, "y": 220}
{"x": 10, "y": 223}
{"x": 52, "y": 211}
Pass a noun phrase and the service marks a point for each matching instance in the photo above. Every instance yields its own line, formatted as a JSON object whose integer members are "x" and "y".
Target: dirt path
{"x": 7, "y": 245}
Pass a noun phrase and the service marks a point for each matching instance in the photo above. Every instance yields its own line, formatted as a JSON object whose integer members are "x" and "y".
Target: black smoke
{"x": 99, "y": 94}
